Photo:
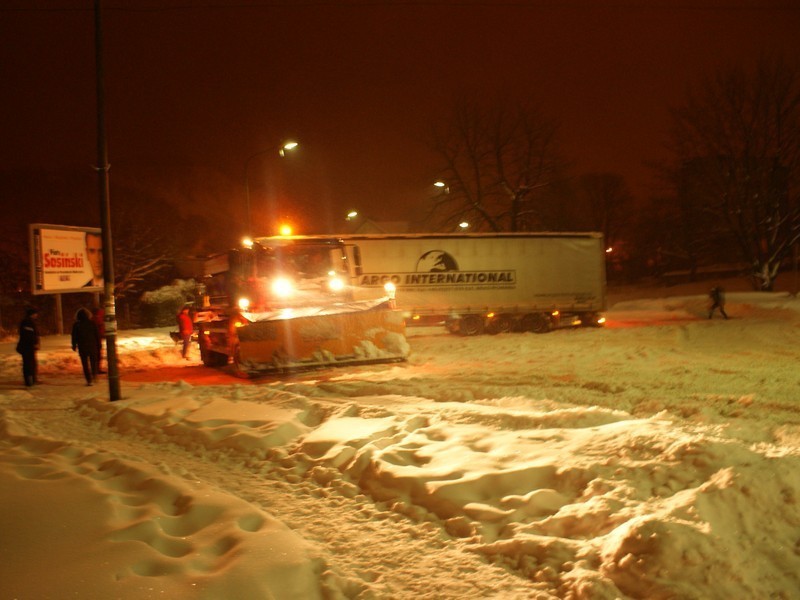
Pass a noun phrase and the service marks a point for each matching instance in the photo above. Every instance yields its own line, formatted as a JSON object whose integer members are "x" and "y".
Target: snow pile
{"x": 656, "y": 458}
{"x": 104, "y": 527}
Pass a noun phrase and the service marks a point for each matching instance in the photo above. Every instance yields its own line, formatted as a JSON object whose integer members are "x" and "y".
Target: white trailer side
{"x": 513, "y": 274}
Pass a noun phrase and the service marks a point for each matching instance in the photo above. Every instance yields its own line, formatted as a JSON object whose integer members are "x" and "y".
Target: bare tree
{"x": 737, "y": 141}
{"x": 606, "y": 204}
{"x": 143, "y": 245}
{"x": 497, "y": 164}
{"x": 652, "y": 235}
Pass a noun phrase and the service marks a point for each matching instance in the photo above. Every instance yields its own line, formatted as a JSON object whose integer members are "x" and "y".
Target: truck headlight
{"x": 335, "y": 284}
{"x": 282, "y": 287}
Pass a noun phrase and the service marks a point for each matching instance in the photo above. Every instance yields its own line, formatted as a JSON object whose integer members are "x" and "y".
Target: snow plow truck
{"x": 290, "y": 305}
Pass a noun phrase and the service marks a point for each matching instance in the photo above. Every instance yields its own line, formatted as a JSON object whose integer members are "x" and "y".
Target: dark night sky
{"x": 195, "y": 88}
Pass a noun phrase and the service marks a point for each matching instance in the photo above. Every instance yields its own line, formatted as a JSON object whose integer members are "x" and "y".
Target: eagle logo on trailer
{"x": 435, "y": 261}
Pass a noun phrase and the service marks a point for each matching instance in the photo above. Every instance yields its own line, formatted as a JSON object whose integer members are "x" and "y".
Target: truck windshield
{"x": 270, "y": 276}
{"x": 301, "y": 262}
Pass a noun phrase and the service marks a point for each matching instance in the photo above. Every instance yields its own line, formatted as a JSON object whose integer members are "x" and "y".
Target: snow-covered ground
{"x": 656, "y": 458}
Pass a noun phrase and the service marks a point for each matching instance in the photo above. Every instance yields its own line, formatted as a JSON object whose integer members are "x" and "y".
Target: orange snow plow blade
{"x": 352, "y": 333}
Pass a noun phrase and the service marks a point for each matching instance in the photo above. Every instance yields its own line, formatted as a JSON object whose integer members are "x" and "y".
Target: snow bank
{"x": 656, "y": 458}
{"x": 118, "y": 528}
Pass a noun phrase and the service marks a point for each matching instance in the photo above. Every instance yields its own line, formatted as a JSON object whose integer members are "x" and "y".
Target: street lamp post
{"x": 287, "y": 147}
{"x": 110, "y": 317}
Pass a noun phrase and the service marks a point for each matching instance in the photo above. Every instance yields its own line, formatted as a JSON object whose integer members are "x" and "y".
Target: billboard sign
{"x": 66, "y": 259}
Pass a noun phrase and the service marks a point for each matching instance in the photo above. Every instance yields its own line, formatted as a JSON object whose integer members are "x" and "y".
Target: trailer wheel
{"x": 471, "y": 325}
{"x": 451, "y": 325}
{"x": 500, "y": 324}
{"x": 537, "y": 323}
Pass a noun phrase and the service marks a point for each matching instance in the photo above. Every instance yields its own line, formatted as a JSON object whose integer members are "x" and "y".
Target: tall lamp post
{"x": 110, "y": 317}
{"x": 287, "y": 147}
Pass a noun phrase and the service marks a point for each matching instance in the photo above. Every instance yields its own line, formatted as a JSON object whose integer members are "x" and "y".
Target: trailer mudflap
{"x": 348, "y": 333}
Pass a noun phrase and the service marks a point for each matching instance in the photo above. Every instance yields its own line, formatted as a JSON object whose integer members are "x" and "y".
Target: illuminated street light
{"x": 463, "y": 226}
{"x": 288, "y": 146}
{"x": 285, "y": 229}
{"x": 352, "y": 215}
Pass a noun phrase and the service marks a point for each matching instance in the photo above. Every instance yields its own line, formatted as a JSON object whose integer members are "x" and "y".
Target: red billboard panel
{"x": 66, "y": 259}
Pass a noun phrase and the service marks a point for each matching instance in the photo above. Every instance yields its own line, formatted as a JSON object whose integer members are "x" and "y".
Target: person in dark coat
{"x": 717, "y": 296}
{"x": 27, "y": 346}
{"x": 185, "y": 330}
{"x": 85, "y": 340}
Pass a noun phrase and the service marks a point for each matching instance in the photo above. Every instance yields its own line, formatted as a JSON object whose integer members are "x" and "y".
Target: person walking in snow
{"x": 717, "y": 296}
{"x": 27, "y": 346}
{"x": 85, "y": 341}
{"x": 185, "y": 330}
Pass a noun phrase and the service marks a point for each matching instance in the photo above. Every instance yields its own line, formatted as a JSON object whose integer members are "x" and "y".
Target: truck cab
{"x": 290, "y": 301}
{"x": 272, "y": 277}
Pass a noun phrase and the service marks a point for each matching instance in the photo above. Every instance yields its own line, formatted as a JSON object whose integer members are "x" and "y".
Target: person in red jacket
{"x": 185, "y": 329}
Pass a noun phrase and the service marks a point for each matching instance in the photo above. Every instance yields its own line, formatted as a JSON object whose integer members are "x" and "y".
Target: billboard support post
{"x": 59, "y": 315}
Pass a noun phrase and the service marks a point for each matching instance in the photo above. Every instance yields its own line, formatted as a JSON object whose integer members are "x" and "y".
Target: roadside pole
{"x": 105, "y": 216}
